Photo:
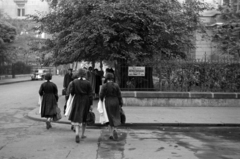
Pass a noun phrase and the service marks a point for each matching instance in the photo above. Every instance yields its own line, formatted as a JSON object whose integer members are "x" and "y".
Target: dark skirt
{"x": 49, "y": 104}
{"x": 113, "y": 111}
{"x": 80, "y": 109}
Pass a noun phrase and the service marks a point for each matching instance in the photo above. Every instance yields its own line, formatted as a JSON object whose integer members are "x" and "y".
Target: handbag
{"x": 40, "y": 104}
{"x": 69, "y": 105}
{"x": 63, "y": 91}
{"x": 58, "y": 116}
{"x": 122, "y": 116}
{"x": 90, "y": 118}
{"x": 103, "y": 118}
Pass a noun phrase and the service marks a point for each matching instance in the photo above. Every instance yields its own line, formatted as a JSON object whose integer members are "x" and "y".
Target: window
{"x": 21, "y": 12}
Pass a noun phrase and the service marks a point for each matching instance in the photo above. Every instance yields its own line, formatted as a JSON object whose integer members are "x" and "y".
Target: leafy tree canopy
{"x": 7, "y": 35}
{"x": 15, "y": 38}
{"x": 226, "y": 35}
{"x": 7, "y": 32}
{"x": 134, "y": 30}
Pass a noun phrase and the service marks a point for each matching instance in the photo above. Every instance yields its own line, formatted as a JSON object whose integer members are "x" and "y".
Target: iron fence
{"x": 15, "y": 69}
{"x": 184, "y": 76}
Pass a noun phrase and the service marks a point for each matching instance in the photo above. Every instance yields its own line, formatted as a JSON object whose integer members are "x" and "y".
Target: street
{"x": 23, "y": 138}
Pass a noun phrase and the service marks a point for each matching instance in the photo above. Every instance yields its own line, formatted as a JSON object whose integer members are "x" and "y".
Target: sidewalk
{"x": 144, "y": 117}
{"x": 15, "y": 80}
{"x": 153, "y": 117}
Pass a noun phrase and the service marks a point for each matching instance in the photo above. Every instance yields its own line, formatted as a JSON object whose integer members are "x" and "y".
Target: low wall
{"x": 16, "y": 76}
{"x": 180, "y": 99}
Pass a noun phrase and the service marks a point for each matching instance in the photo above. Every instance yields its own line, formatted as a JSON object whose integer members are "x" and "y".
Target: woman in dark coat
{"x": 49, "y": 93}
{"x": 81, "y": 89}
{"x": 113, "y": 101}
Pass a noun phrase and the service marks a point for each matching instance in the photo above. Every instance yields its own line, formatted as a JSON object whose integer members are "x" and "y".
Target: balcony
{"x": 20, "y": 2}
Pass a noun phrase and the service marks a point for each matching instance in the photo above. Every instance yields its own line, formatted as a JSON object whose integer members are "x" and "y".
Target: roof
{"x": 210, "y": 13}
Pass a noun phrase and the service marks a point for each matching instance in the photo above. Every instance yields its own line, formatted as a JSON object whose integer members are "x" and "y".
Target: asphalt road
{"x": 22, "y": 138}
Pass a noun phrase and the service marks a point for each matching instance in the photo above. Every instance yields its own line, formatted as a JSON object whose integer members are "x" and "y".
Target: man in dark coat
{"x": 67, "y": 79}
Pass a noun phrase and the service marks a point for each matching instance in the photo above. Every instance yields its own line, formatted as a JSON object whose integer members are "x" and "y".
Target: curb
{"x": 13, "y": 82}
{"x": 149, "y": 125}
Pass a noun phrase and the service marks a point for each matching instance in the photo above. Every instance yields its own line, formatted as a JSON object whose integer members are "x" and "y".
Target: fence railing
{"x": 185, "y": 76}
{"x": 15, "y": 69}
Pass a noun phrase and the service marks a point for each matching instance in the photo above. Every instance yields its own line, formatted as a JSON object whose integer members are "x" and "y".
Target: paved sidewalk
{"x": 144, "y": 117}
{"x": 15, "y": 80}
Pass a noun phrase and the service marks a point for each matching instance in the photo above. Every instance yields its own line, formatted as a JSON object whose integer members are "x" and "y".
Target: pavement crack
{"x": 68, "y": 154}
{"x": 2, "y": 147}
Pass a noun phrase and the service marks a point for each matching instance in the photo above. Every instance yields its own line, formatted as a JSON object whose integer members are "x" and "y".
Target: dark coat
{"x": 82, "y": 90}
{"x": 98, "y": 83}
{"x": 49, "y": 93}
{"x": 67, "y": 79}
{"x": 113, "y": 100}
{"x": 91, "y": 77}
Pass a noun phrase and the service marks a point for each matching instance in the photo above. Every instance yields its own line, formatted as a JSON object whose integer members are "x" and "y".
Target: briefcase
{"x": 64, "y": 92}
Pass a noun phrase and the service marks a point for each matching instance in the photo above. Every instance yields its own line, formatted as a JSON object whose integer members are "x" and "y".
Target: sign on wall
{"x": 136, "y": 71}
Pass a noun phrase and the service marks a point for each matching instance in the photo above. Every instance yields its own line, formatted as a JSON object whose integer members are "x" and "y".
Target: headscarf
{"x": 48, "y": 76}
{"x": 109, "y": 76}
{"x": 82, "y": 73}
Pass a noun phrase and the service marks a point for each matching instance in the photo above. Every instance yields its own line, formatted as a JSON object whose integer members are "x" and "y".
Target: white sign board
{"x": 136, "y": 71}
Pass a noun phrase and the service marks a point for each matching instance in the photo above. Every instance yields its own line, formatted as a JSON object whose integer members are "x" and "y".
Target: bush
{"x": 200, "y": 76}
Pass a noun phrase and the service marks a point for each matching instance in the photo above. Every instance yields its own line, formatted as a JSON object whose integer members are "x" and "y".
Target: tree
{"x": 18, "y": 40}
{"x": 7, "y": 36}
{"x": 124, "y": 31}
{"x": 120, "y": 29}
{"x": 226, "y": 35}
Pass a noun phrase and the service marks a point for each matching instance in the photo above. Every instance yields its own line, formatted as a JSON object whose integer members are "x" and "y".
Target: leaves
{"x": 120, "y": 29}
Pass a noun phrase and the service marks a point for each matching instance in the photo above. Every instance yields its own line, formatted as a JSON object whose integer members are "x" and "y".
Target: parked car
{"x": 39, "y": 74}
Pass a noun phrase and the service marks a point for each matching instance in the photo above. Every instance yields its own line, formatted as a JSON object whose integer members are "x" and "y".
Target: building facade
{"x": 18, "y": 9}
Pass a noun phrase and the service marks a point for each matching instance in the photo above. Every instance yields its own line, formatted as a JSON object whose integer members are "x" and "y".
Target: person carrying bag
{"x": 48, "y": 98}
{"x": 103, "y": 118}
{"x": 81, "y": 103}
{"x": 110, "y": 95}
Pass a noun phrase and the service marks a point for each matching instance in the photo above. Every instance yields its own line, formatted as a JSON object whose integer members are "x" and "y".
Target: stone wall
{"x": 180, "y": 99}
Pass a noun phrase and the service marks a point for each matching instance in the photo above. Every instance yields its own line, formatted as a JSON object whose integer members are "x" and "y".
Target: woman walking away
{"x": 113, "y": 101}
{"x": 74, "y": 76}
{"x": 49, "y": 93}
{"x": 81, "y": 89}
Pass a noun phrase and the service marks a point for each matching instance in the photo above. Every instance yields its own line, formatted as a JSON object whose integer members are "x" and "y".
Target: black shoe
{"x": 72, "y": 128}
{"x": 77, "y": 139}
{"x": 47, "y": 125}
{"x": 83, "y": 137}
{"x": 50, "y": 126}
{"x": 115, "y": 135}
